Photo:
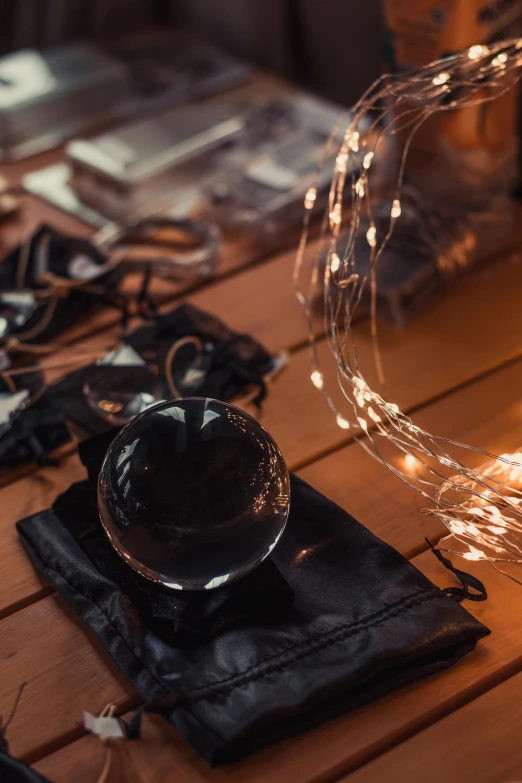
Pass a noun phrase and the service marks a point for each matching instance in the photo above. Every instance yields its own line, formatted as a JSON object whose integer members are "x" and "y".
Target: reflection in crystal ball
{"x": 193, "y": 493}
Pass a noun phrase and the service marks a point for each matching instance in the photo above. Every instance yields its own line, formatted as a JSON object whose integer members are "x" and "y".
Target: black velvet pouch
{"x": 362, "y": 621}
{"x": 35, "y": 431}
{"x": 69, "y": 258}
{"x": 230, "y": 364}
{"x": 13, "y": 771}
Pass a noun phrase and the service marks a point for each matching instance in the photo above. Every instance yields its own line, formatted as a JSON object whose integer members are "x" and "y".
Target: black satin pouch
{"x": 36, "y": 431}
{"x": 65, "y": 257}
{"x": 232, "y": 363}
{"x": 363, "y": 621}
{"x": 13, "y": 771}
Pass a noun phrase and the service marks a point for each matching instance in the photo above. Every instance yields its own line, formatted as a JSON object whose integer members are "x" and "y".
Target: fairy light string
{"x": 481, "y": 508}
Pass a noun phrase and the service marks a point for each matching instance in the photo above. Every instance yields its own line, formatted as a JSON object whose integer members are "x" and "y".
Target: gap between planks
{"x": 300, "y": 422}
{"x": 349, "y": 741}
{"x": 77, "y": 652}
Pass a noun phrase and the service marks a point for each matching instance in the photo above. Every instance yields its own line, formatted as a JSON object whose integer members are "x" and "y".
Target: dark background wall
{"x": 332, "y": 46}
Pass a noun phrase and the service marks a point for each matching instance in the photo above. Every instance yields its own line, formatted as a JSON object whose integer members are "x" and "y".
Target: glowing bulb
{"x": 474, "y": 52}
{"x": 410, "y": 461}
{"x": 359, "y": 187}
{"x": 394, "y": 407}
{"x": 335, "y": 215}
{"x": 396, "y": 208}
{"x": 373, "y": 415}
{"x": 311, "y": 195}
{"x": 362, "y": 422}
{"x": 457, "y": 527}
{"x": 371, "y": 236}
{"x": 367, "y": 160}
{"x": 341, "y": 161}
{"x": 499, "y": 531}
{"x": 341, "y": 421}
{"x": 354, "y": 141}
{"x": 499, "y": 61}
{"x": 441, "y": 78}
{"x": 474, "y": 554}
{"x": 359, "y": 399}
{"x": 335, "y": 263}
{"x": 317, "y": 379}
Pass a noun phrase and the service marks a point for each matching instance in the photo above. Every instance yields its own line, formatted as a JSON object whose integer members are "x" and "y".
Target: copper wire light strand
{"x": 481, "y": 508}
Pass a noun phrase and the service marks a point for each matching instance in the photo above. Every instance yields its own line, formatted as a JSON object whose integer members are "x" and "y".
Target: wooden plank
{"x": 236, "y": 301}
{"x": 487, "y": 415}
{"x": 340, "y": 745}
{"x": 16, "y": 472}
{"x": 43, "y": 646}
{"x": 262, "y": 301}
{"x": 390, "y": 510}
{"x": 238, "y": 250}
{"x": 448, "y": 346}
{"x": 480, "y": 743}
{"x": 20, "y": 584}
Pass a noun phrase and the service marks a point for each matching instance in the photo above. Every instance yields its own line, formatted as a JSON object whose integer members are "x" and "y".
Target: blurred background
{"x": 334, "y": 47}
{"x": 221, "y": 109}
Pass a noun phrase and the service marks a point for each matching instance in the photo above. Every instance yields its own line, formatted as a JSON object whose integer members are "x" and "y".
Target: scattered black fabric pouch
{"x": 35, "y": 431}
{"x": 337, "y": 619}
{"x": 66, "y": 277}
{"x": 228, "y": 364}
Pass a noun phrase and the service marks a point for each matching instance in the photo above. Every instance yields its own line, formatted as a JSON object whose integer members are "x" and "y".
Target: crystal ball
{"x": 193, "y": 493}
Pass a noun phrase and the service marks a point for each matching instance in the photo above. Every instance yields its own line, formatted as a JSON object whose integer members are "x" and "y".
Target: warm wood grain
{"x": 450, "y": 344}
{"x": 259, "y": 301}
{"x": 480, "y": 743}
{"x": 487, "y": 415}
{"x": 356, "y": 482}
{"x": 453, "y": 342}
{"x": 19, "y": 583}
{"x": 347, "y": 742}
{"x": 42, "y": 646}
{"x": 16, "y": 472}
{"x": 471, "y": 332}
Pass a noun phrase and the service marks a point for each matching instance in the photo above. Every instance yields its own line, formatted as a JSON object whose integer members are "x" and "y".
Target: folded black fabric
{"x": 67, "y": 258}
{"x": 13, "y": 771}
{"x": 363, "y": 621}
{"x": 35, "y": 431}
{"x": 231, "y": 363}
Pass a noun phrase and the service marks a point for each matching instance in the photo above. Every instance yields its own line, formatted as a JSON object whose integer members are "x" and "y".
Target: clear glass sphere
{"x": 193, "y": 493}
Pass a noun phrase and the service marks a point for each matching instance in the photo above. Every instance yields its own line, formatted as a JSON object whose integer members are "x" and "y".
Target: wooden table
{"x": 458, "y": 369}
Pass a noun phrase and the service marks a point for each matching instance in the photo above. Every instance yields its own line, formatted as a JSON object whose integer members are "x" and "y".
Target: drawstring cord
{"x": 467, "y": 580}
{"x": 4, "y": 745}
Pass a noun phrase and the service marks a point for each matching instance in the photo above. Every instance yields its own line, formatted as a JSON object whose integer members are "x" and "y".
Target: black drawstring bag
{"x": 230, "y": 364}
{"x": 13, "y": 771}
{"x": 34, "y": 432}
{"x": 66, "y": 274}
{"x": 338, "y": 618}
